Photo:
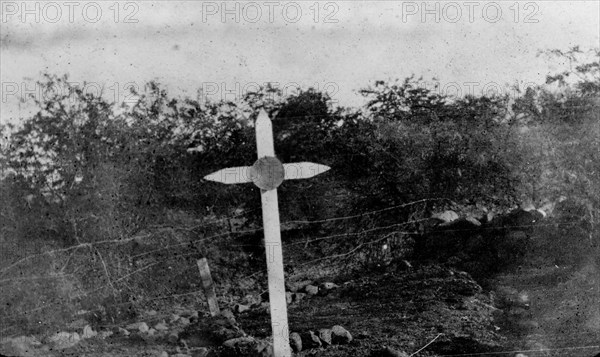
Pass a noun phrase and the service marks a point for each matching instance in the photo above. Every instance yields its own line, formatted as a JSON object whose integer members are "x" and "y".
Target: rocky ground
{"x": 397, "y": 311}
{"x": 538, "y": 308}
{"x": 429, "y": 309}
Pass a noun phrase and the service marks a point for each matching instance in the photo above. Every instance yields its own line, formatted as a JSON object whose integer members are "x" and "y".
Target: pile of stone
{"x": 322, "y": 338}
{"x": 190, "y": 334}
{"x": 297, "y": 291}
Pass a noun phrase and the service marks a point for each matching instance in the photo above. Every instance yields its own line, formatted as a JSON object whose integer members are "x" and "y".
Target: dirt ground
{"x": 530, "y": 311}
{"x": 563, "y": 316}
{"x": 422, "y": 310}
{"x": 401, "y": 309}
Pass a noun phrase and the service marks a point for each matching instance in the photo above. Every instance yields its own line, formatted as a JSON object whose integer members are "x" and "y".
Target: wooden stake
{"x": 209, "y": 287}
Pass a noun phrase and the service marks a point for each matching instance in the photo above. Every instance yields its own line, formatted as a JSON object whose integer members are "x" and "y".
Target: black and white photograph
{"x": 308, "y": 178}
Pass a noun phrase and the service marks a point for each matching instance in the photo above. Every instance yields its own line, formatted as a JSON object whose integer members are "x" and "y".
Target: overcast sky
{"x": 337, "y": 46}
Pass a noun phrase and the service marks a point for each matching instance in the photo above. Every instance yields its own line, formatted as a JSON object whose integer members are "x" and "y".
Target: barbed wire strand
{"x": 140, "y": 270}
{"x": 249, "y": 231}
{"x": 126, "y": 240}
{"x": 254, "y": 231}
{"x": 109, "y": 284}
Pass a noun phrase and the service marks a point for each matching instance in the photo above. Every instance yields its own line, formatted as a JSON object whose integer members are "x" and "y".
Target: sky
{"x": 228, "y": 48}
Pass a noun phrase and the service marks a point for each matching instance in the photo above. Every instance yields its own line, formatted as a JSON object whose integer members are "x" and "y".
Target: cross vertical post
{"x": 268, "y": 173}
{"x": 274, "y": 251}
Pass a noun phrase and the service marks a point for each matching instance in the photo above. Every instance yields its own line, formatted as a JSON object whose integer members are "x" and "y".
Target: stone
{"x": 340, "y": 335}
{"x": 446, "y": 216}
{"x": 140, "y": 326}
{"x": 163, "y": 354}
{"x": 143, "y": 327}
{"x": 123, "y": 332}
{"x": 288, "y": 297}
{"x": 161, "y": 326}
{"x": 297, "y": 297}
{"x": 325, "y": 336}
{"x": 88, "y": 332}
{"x": 473, "y": 221}
{"x": 310, "y": 340}
{"x": 63, "y": 340}
{"x": 105, "y": 334}
{"x": 297, "y": 286}
{"x": 151, "y": 332}
{"x": 183, "y": 321}
{"x": 241, "y": 345}
{"x": 329, "y": 286}
{"x": 311, "y": 290}
{"x": 239, "y": 308}
{"x": 296, "y": 342}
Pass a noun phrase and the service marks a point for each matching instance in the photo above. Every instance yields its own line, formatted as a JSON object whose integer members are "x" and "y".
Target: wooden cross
{"x": 268, "y": 173}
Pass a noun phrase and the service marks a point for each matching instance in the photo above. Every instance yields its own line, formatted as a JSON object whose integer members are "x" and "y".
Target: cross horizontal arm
{"x": 231, "y": 175}
{"x": 303, "y": 170}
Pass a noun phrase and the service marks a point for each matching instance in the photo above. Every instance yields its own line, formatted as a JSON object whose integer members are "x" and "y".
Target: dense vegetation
{"x": 115, "y": 192}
